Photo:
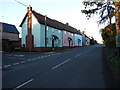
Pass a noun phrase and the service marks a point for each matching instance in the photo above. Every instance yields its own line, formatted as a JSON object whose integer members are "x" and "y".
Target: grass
{"x": 114, "y": 63}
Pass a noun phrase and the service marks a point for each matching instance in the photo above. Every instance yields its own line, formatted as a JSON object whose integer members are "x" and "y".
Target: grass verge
{"x": 114, "y": 64}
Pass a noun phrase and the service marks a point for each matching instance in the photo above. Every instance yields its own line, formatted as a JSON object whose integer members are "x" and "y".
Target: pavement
{"x": 75, "y": 68}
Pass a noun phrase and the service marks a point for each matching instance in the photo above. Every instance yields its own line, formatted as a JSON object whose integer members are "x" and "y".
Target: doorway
{"x": 69, "y": 41}
{"x": 54, "y": 38}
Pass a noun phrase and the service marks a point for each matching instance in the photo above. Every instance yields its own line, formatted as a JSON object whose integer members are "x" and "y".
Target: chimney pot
{"x": 67, "y": 23}
{"x": 29, "y": 8}
{"x": 79, "y": 30}
{"x": 83, "y": 32}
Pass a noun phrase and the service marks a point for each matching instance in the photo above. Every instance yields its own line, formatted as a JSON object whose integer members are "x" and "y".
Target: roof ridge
{"x": 7, "y": 23}
{"x": 52, "y": 23}
{"x": 9, "y": 28}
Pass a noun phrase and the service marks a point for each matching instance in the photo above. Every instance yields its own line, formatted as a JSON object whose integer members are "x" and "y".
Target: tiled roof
{"x": 52, "y": 23}
{"x": 9, "y": 28}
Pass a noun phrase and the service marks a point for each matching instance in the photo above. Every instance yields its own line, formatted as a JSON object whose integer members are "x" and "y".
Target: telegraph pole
{"x": 45, "y": 34}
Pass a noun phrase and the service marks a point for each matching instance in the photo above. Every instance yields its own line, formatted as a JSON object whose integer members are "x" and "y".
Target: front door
{"x": 69, "y": 43}
{"x": 53, "y": 44}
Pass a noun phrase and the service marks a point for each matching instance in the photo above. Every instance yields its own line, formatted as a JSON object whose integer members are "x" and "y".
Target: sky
{"x": 65, "y": 11}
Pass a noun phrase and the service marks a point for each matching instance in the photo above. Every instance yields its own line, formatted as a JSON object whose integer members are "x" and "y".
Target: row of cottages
{"x": 35, "y": 27}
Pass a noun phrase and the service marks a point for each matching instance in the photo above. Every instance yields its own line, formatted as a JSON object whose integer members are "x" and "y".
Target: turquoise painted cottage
{"x": 78, "y": 39}
{"x": 40, "y": 33}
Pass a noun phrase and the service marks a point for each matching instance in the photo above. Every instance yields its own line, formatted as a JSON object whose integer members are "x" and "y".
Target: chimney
{"x": 29, "y": 36}
{"x": 83, "y": 32}
{"x": 29, "y": 14}
{"x": 67, "y": 23}
{"x": 79, "y": 31}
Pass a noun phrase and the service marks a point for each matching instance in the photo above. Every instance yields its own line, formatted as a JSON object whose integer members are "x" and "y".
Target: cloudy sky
{"x": 62, "y": 10}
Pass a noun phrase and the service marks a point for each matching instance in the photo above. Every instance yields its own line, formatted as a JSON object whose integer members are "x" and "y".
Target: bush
{"x": 110, "y": 42}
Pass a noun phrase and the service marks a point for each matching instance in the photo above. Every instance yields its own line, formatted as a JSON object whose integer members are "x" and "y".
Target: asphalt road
{"x": 75, "y": 68}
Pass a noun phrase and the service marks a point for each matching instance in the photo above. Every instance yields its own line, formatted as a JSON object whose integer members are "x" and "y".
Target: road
{"x": 75, "y": 68}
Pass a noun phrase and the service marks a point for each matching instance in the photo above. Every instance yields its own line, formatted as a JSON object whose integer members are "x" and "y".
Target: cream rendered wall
{"x": 24, "y": 31}
{"x": 36, "y": 31}
{"x": 10, "y": 36}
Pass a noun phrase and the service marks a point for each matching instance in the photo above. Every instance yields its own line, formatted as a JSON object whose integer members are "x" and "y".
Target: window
{"x": 58, "y": 31}
{"x": 72, "y": 34}
{"x": 52, "y": 29}
{"x": 64, "y": 32}
{"x": 47, "y": 28}
{"x": 69, "y": 33}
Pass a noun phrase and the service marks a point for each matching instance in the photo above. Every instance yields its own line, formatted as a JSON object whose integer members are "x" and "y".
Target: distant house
{"x": 87, "y": 41}
{"x": 10, "y": 35}
{"x": 83, "y": 39}
{"x": 58, "y": 35}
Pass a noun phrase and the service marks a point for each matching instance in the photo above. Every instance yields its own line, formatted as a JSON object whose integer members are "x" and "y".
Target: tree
{"x": 104, "y": 8}
{"x": 93, "y": 41}
{"x": 108, "y": 35}
{"x": 101, "y": 6}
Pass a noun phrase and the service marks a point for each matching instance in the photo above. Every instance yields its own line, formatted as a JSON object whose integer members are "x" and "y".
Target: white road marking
{"x": 42, "y": 57}
{"x": 7, "y": 66}
{"x": 29, "y": 60}
{"x": 45, "y": 55}
{"x": 33, "y": 59}
{"x": 0, "y": 67}
{"x": 18, "y": 55}
{"x": 78, "y": 55}
{"x": 58, "y": 53}
{"x": 61, "y": 63}
{"x": 48, "y": 55}
{"x": 23, "y": 62}
{"x": 9, "y": 55}
{"x": 24, "y": 84}
{"x": 15, "y": 63}
{"x": 38, "y": 57}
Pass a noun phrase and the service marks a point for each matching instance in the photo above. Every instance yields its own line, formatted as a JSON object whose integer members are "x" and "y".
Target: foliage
{"x": 92, "y": 41}
{"x": 111, "y": 56}
{"x": 110, "y": 42}
{"x": 107, "y": 32}
{"x": 115, "y": 60}
{"x": 105, "y": 9}
{"x": 108, "y": 35}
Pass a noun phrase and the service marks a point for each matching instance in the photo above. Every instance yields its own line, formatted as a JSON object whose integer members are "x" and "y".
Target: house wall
{"x": 87, "y": 41}
{"x": 24, "y": 33}
{"x": 83, "y": 40}
{"x": 76, "y": 37}
{"x": 1, "y": 29}
{"x": 40, "y": 38}
{"x": 10, "y": 36}
{"x": 65, "y": 39}
{"x": 42, "y": 35}
{"x": 52, "y": 31}
{"x": 36, "y": 32}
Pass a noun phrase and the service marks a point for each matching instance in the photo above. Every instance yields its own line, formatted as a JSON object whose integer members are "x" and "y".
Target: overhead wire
{"x": 21, "y": 3}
